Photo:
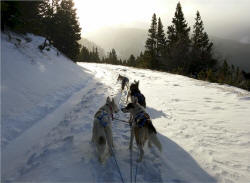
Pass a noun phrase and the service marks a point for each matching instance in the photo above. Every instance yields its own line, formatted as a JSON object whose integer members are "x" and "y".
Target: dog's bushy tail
{"x": 153, "y": 138}
{"x": 101, "y": 140}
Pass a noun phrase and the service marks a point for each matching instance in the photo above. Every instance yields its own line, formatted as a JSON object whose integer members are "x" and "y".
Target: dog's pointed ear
{"x": 137, "y": 83}
{"x": 108, "y": 100}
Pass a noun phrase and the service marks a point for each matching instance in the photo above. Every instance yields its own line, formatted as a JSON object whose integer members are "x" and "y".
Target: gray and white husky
{"x": 142, "y": 128}
{"x": 102, "y": 128}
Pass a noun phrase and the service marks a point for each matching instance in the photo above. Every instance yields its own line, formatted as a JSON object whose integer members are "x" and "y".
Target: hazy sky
{"x": 221, "y": 17}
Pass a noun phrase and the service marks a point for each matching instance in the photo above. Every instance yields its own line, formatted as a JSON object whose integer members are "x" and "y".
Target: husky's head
{"x": 119, "y": 77}
{"x": 132, "y": 107}
{"x": 134, "y": 86}
{"x": 128, "y": 108}
{"x": 112, "y": 104}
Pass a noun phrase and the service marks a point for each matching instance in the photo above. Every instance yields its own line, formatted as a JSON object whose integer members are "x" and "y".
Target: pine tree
{"x": 10, "y": 13}
{"x": 20, "y": 16}
{"x": 84, "y": 55}
{"x": 131, "y": 61}
{"x": 48, "y": 25}
{"x": 151, "y": 42}
{"x": 112, "y": 57}
{"x": 225, "y": 68}
{"x": 200, "y": 38}
{"x": 224, "y": 72}
{"x": 161, "y": 39}
{"x": 50, "y": 20}
{"x": 181, "y": 27}
{"x": 151, "y": 45}
{"x": 97, "y": 55}
{"x": 201, "y": 47}
{"x": 178, "y": 41}
{"x": 171, "y": 38}
{"x": 238, "y": 75}
{"x": 68, "y": 29}
{"x": 233, "y": 74}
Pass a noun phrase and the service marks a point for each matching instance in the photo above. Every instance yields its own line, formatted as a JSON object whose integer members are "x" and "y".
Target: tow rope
{"x": 118, "y": 168}
{"x": 121, "y": 120}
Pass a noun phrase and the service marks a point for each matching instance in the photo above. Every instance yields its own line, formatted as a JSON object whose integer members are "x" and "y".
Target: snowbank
{"x": 34, "y": 83}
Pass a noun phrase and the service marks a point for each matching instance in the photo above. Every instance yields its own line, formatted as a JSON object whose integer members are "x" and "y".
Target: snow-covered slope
{"x": 33, "y": 83}
{"x": 48, "y": 105}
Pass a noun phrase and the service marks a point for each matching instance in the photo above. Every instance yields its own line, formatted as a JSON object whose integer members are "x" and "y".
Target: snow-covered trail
{"x": 204, "y": 129}
{"x": 209, "y": 121}
{"x": 24, "y": 142}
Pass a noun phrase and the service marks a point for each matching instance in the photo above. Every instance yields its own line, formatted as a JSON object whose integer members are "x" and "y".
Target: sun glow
{"x": 95, "y": 14}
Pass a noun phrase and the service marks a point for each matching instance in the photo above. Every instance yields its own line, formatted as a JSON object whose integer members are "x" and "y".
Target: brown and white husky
{"x": 142, "y": 128}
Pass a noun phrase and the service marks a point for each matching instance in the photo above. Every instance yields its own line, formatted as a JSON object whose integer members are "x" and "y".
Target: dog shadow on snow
{"x": 173, "y": 164}
{"x": 177, "y": 165}
{"x": 156, "y": 113}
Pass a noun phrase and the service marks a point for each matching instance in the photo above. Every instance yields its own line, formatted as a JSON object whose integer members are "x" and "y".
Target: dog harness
{"x": 104, "y": 113}
{"x": 141, "y": 119}
{"x": 100, "y": 118}
{"x": 111, "y": 109}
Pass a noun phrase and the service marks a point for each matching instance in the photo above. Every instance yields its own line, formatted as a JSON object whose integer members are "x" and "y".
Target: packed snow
{"x": 48, "y": 104}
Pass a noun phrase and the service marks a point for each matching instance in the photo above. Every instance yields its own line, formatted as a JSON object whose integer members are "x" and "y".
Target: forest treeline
{"x": 183, "y": 51}
{"x": 179, "y": 49}
{"x": 56, "y": 20}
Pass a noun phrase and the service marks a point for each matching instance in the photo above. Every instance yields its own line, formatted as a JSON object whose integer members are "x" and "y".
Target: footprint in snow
{"x": 125, "y": 137}
{"x": 87, "y": 126}
{"x": 175, "y": 181}
{"x": 218, "y": 108}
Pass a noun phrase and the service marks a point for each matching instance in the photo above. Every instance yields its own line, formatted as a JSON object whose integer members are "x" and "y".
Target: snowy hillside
{"x": 33, "y": 83}
{"x": 48, "y": 104}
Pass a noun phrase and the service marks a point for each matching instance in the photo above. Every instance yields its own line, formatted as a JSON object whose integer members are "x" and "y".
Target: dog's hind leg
{"x": 131, "y": 138}
{"x": 128, "y": 94}
{"x": 153, "y": 138}
{"x": 101, "y": 145}
{"x": 141, "y": 153}
{"x": 93, "y": 133}
{"x": 149, "y": 143}
{"x": 109, "y": 136}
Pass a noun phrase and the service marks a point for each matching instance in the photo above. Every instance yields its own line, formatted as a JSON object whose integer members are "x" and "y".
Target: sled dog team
{"x": 142, "y": 127}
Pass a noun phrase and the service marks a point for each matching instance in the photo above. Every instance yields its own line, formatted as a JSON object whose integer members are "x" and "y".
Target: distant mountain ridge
{"x": 235, "y": 52}
{"x": 90, "y": 45}
{"x": 127, "y": 41}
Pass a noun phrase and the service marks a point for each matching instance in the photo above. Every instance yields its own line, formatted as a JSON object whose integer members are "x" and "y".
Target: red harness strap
{"x": 112, "y": 117}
